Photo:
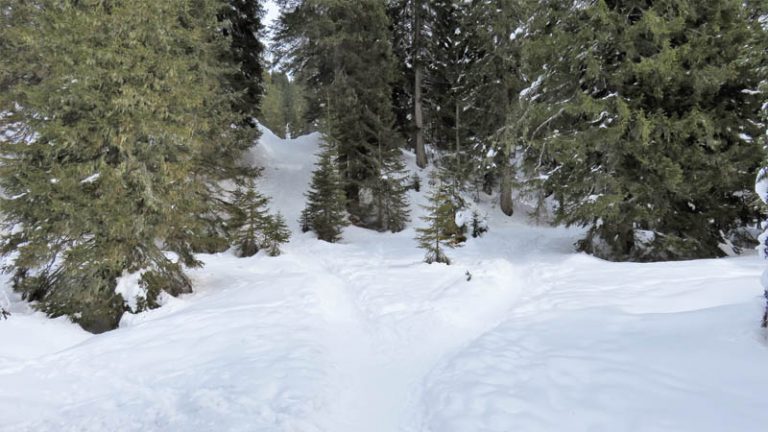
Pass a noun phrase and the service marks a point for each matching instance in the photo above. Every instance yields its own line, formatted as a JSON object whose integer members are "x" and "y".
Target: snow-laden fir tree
{"x": 243, "y": 28}
{"x": 118, "y": 121}
{"x": 390, "y": 196}
{"x": 390, "y": 189}
{"x": 325, "y": 213}
{"x": 495, "y": 30}
{"x": 251, "y": 226}
{"x": 440, "y": 231}
{"x": 644, "y": 121}
{"x": 275, "y": 233}
{"x": 342, "y": 51}
{"x": 282, "y": 109}
{"x": 411, "y": 22}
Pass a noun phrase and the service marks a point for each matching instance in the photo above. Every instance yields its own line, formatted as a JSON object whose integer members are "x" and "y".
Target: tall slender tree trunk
{"x": 506, "y": 203}
{"x": 418, "y": 114}
{"x": 380, "y": 198}
{"x": 459, "y": 174}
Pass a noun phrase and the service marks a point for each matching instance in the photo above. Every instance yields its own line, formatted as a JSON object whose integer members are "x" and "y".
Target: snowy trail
{"x": 383, "y": 356}
{"x": 362, "y": 336}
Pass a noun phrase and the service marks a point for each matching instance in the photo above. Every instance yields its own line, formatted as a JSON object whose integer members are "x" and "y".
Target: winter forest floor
{"x": 363, "y": 337}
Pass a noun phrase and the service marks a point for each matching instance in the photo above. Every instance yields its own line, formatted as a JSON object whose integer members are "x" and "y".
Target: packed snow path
{"x": 363, "y": 337}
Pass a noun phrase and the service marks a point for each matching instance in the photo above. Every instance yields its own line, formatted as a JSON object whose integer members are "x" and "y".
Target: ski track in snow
{"x": 363, "y": 337}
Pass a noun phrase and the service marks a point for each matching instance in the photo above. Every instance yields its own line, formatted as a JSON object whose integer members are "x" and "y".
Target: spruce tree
{"x": 390, "y": 195}
{"x": 410, "y": 34}
{"x": 342, "y": 51}
{"x": 243, "y": 27}
{"x": 495, "y": 32}
{"x": 275, "y": 233}
{"x": 440, "y": 219}
{"x": 113, "y": 113}
{"x": 251, "y": 227}
{"x": 469, "y": 53}
{"x": 643, "y": 120}
{"x": 283, "y": 110}
{"x": 272, "y": 115}
{"x": 326, "y": 213}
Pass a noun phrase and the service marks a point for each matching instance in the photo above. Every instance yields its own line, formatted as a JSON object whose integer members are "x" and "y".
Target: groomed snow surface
{"x": 363, "y": 337}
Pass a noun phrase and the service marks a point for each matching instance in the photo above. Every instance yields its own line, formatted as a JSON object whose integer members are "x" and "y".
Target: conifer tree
{"x": 283, "y": 110}
{"x": 391, "y": 200}
{"x": 496, "y": 30}
{"x": 243, "y": 27}
{"x": 326, "y": 213}
{"x": 275, "y": 233}
{"x": 410, "y": 33}
{"x": 644, "y": 121}
{"x": 115, "y": 111}
{"x": 251, "y": 227}
{"x": 342, "y": 51}
{"x": 469, "y": 52}
{"x": 272, "y": 115}
{"x": 440, "y": 219}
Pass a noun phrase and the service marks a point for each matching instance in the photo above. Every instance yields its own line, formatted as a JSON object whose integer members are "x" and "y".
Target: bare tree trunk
{"x": 418, "y": 115}
{"x": 507, "y": 206}
{"x": 458, "y": 136}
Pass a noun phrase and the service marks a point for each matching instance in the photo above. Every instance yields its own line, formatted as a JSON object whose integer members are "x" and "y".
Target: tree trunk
{"x": 418, "y": 115}
{"x": 458, "y": 137}
{"x": 507, "y": 206}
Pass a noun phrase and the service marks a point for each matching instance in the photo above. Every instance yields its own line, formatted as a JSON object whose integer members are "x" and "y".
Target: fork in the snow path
{"x": 389, "y": 328}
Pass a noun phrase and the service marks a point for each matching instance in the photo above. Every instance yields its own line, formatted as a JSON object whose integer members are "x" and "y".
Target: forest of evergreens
{"x": 124, "y": 124}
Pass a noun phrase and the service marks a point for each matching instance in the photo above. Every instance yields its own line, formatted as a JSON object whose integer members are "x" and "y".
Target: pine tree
{"x": 283, "y": 110}
{"x": 447, "y": 91}
{"x": 479, "y": 225}
{"x": 304, "y": 220}
{"x": 275, "y": 233}
{"x": 342, "y": 52}
{"x": 221, "y": 162}
{"x": 410, "y": 34}
{"x": 251, "y": 227}
{"x": 643, "y": 121}
{"x": 390, "y": 192}
{"x": 243, "y": 27}
{"x": 440, "y": 219}
{"x": 495, "y": 32}
{"x": 469, "y": 53}
{"x": 272, "y": 115}
{"x": 113, "y": 113}
{"x": 389, "y": 189}
{"x": 325, "y": 213}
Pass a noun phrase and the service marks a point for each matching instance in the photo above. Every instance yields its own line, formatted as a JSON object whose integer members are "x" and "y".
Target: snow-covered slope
{"x": 363, "y": 337}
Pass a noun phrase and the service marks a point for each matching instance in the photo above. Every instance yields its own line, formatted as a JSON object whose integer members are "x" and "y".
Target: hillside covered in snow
{"x": 519, "y": 334}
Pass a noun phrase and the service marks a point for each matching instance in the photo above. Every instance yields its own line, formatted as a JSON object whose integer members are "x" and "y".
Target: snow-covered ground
{"x": 364, "y": 337}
